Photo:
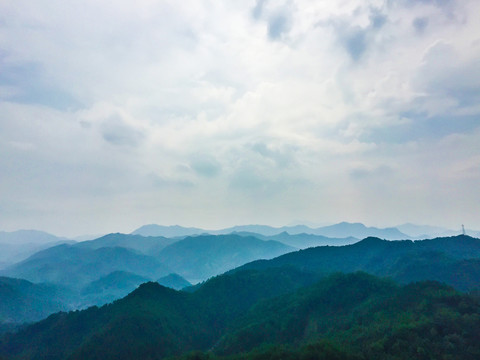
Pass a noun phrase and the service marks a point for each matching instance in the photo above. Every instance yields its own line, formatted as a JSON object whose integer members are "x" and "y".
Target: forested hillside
{"x": 453, "y": 260}
{"x": 343, "y": 316}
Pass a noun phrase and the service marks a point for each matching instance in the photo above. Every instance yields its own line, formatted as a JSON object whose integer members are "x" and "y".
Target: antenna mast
{"x": 463, "y": 229}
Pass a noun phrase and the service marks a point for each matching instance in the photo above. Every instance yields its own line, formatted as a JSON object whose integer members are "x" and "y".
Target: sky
{"x": 116, "y": 114}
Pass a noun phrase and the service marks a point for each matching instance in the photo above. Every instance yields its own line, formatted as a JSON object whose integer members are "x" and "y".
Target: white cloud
{"x": 307, "y": 108}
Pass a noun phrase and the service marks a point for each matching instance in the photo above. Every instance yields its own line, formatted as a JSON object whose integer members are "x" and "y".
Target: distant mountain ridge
{"x": 429, "y": 232}
{"x": 303, "y": 241}
{"x": 28, "y": 237}
{"x": 102, "y": 270}
{"x": 143, "y": 244}
{"x": 200, "y": 257}
{"x": 76, "y": 266}
{"x": 340, "y": 230}
{"x": 166, "y": 231}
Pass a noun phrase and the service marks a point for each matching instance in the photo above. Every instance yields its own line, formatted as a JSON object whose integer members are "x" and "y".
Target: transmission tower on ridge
{"x": 463, "y": 229}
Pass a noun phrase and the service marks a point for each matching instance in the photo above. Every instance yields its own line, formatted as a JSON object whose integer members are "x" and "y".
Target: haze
{"x": 211, "y": 114}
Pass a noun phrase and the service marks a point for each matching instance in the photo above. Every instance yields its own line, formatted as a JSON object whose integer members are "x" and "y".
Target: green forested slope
{"x": 245, "y": 315}
{"x": 453, "y": 260}
{"x": 153, "y": 320}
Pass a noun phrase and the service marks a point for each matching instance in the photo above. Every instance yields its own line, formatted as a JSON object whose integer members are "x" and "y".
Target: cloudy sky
{"x": 115, "y": 114}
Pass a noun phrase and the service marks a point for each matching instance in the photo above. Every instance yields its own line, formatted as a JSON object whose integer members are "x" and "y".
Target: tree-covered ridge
{"x": 453, "y": 260}
{"x": 264, "y": 315}
{"x": 152, "y": 320}
{"x": 370, "y": 317}
{"x": 356, "y": 316}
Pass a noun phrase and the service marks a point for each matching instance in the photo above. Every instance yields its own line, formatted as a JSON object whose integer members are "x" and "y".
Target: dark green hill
{"x": 153, "y": 319}
{"x": 200, "y": 257}
{"x": 75, "y": 266}
{"x": 228, "y": 296}
{"x": 440, "y": 259}
{"x": 458, "y": 247}
{"x": 369, "y": 317}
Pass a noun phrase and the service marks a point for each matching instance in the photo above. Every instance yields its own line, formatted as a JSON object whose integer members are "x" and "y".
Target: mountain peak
{"x": 371, "y": 240}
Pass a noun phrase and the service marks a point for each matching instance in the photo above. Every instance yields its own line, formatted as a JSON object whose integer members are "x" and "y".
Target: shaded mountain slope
{"x": 303, "y": 241}
{"x": 200, "y": 257}
{"x": 13, "y": 253}
{"x": 22, "y": 301}
{"x": 144, "y": 245}
{"x": 360, "y": 231}
{"x": 75, "y": 266}
{"x": 174, "y": 281}
{"x": 108, "y": 288}
{"x": 18, "y": 245}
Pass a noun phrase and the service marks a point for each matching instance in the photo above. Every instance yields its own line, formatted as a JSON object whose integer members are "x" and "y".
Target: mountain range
{"x": 18, "y": 245}
{"x": 264, "y": 314}
{"x": 303, "y": 240}
{"x": 105, "y": 269}
{"x": 340, "y": 230}
{"x": 197, "y": 258}
{"x": 28, "y": 237}
{"x": 256, "y": 266}
{"x": 75, "y": 266}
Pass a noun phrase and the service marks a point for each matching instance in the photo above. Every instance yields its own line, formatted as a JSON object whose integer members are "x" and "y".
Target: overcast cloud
{"x": 116, "y": 114}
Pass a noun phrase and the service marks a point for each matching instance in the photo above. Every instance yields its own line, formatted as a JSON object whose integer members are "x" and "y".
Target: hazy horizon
{"x": 212, "y": 115}
{"x": 93, "y": 235}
